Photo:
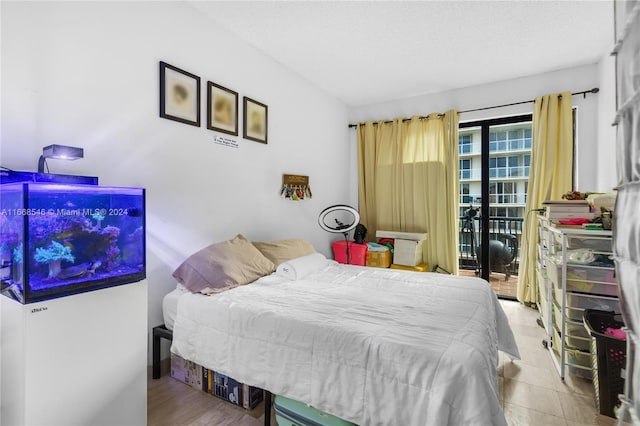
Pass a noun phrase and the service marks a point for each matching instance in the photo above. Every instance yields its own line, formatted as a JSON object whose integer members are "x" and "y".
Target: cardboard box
{"x": 379, "y": 259}
{"x": 186, "y": 371}
{"x": 407, "y": 252}
{"x": 416, "y": 236}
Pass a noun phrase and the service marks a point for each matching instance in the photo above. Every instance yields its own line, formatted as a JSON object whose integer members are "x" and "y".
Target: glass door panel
{"x": 494, "y": 160}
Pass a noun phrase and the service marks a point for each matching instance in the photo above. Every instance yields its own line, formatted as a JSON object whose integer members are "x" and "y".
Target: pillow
{"x": 222, "y": 266}
{"x": 300, "y": 267}
{"x": 279, "y": 251}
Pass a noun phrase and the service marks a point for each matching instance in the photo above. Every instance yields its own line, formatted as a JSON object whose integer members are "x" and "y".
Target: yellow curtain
{"x": 550, "y": 176}
{"x": 408, "y": 181}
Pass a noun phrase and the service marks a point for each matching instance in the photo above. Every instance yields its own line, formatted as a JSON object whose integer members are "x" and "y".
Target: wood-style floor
{"x": 531, "y": 392}
{"x": 502, "y": 287}
{"x": 173, "y": 403}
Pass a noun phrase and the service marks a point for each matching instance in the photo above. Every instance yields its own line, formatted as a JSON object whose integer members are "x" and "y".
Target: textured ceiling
{"x": 367, "y": 52}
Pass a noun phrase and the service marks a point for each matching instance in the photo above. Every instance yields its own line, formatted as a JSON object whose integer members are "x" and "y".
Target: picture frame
{"x": 222, "y": 109}
{"x": 179, "y": 95}
{"x": 255, "y": 120}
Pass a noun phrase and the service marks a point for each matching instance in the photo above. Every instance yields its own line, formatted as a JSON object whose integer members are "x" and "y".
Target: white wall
{"x": 509, "y": 91}
{"x": 86, "y": 74}
{"x": 606, "y": 172}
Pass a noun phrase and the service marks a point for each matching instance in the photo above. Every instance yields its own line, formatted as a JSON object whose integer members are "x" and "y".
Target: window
{"x": 497, "y": 167}
{"x": 502, "y": 193}
{"x": 498, "y": 211}
{"x": 464, "y": 144}
{"x": 514, "y": 167}
{"x": 465, "y": 169}
{"x": 465, "y": 198}
{"x": 527, "y": 138}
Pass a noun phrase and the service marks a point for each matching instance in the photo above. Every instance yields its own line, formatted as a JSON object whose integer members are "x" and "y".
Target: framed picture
{"x": 222, "y": 109}
{"x": 179, "y": 95}
{"x": 255, "y": 120}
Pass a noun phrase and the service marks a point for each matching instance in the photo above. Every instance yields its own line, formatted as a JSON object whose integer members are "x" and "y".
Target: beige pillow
{"x": 280, "y": 251}
{"x": 222, "y": 266}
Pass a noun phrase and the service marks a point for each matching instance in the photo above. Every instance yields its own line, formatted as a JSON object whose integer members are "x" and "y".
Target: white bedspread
{"x": 373, "y": 346}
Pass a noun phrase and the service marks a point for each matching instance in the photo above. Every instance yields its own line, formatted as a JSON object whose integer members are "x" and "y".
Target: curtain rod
{"x": 583, "y": 93}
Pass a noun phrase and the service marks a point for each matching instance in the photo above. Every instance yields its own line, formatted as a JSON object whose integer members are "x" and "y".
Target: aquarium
{"x": 61, "y": 239}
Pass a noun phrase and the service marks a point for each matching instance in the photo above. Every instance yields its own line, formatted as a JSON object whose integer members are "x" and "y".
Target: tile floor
{"x": 531, "y": 391}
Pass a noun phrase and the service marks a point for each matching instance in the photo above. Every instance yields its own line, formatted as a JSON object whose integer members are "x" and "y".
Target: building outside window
{"x": 509, "y": 162}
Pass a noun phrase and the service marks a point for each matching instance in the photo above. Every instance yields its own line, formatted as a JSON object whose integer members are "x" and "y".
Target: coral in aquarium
{"x": 53, "y": 257}
{"x": 51, "y": 226}
{"x": 112, "y": 258}
{"x": 112, "y": 254}
{"x": 17, "y": 254}
{"x": 98, "y": 218}
{"x": 111, "y": 232}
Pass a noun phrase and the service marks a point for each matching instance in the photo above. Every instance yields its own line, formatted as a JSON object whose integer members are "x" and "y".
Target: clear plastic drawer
{"x": 584, "y": 278}
{"x": 577, "y": 302}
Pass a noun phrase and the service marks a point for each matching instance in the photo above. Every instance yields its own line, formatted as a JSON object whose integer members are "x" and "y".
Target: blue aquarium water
{"x": 61, "y": 239}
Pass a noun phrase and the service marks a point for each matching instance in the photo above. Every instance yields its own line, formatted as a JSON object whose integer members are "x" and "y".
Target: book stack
{"x": 214, "y": 383}
{"x": 567, "y": 209}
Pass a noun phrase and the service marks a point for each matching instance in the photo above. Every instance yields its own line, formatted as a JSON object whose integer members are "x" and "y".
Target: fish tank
{"x": 61, "y": 239}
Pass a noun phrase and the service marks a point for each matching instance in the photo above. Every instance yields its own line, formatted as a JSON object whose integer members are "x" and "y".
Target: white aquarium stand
{"x": 75, "y": 360}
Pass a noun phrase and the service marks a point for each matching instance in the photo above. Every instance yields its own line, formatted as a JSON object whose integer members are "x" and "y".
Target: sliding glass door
{"x": 494, "y": 171}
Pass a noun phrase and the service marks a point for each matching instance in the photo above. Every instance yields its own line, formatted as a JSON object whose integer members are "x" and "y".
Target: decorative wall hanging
{"x": 295, "y": 187}
{"x": 179, "y": 95}
{"x": 222, "y": 109}
{"x": 255, "y": 120}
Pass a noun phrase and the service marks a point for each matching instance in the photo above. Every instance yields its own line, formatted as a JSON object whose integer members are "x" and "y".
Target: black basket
{"x": 608, "y": 359}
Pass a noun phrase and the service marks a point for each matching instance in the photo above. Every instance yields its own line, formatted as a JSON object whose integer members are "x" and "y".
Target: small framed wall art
{"x": 179, "y": 95}
{"x": 222, "y": 109}
{"x": 255, "y": 120}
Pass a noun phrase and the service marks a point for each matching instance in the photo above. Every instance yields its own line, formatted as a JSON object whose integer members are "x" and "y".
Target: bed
{"x": 372, "y": 346}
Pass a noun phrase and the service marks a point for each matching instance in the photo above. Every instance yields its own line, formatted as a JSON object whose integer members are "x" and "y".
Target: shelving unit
{"x": 567, "y": 288}
{"x": 626, "y": 229}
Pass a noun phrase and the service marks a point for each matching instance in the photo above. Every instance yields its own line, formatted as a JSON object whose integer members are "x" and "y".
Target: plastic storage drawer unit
{"x": 294, "y": 413}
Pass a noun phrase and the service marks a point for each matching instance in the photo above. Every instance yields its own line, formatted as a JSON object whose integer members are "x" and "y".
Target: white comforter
{"x": 373, "y": 346}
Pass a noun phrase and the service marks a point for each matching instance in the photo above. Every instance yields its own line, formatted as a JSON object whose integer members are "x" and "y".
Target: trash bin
{"x": 608, "y": 359}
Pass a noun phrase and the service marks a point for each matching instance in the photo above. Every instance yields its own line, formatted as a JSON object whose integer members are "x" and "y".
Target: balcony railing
{"x": 510, "y": 145}
{"x": 509, "y": 172}
{"x": 521, "y": 198}
{"x": 496, "y": 146}
{"x": 470, "y": 174}
{"x": 496, "y": 173}
{"x": 499, "y": 227}
{"x": 470, "y": 149}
